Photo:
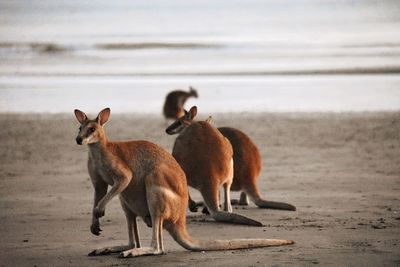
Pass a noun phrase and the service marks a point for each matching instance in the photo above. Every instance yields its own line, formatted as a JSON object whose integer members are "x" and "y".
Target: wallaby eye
{"x": 80, "y": 128}
{"x": 92, "y": 129}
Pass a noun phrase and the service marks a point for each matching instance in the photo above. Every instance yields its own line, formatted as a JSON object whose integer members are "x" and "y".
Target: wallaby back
{"x": 203, "y": 152}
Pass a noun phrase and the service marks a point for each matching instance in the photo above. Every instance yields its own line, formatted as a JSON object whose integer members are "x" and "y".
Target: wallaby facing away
{"x": 174, "y": 102}
{"x": 247, "y": 162}
{"x": 205, "y": 155}
{"x": 150, "y": 184}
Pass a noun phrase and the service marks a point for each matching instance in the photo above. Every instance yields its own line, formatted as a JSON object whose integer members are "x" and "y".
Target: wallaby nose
{"x": 79, "y": 140}
{"x": 169, "y": 131}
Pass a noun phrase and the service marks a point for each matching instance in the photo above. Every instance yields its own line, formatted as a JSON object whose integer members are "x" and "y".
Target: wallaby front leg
{"x": 119, "y": 185}
{"x": 100, "y": 190}
{"x": 193, "y": 205}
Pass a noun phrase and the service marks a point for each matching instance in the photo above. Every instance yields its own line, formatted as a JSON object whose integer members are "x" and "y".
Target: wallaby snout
{"x": 168, "y": 131}
{"x": 174, "y": 128}
{"x": 79, "y": 140}
{"x": 183, "y": 122}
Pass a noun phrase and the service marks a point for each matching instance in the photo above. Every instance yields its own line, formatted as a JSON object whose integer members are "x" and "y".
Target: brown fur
{"x": 247, "y": 162}
{"x": 175, "y": 101}
{"x": 150, "y": 184}
{"x": 205, "y": 155}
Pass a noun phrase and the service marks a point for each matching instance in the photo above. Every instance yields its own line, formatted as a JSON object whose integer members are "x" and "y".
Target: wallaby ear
{"x": 103, "y": 116}
{"x": 193, "y": 112}
{"x": 193, "y": 91}
{"x": 80, "y": 116}
{"x": 209, "y": 119}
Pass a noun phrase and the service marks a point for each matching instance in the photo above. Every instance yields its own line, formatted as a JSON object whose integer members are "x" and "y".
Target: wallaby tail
{"x": 265, "y": 204}
{"x": 222, "y": 216}
{"x": 180, "y": 235}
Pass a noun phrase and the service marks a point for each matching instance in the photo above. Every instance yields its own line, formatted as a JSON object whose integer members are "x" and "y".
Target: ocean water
{"x": 256, "y": 55}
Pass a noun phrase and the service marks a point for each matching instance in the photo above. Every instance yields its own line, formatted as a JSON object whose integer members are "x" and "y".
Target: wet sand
{"x": 342, "y": 171}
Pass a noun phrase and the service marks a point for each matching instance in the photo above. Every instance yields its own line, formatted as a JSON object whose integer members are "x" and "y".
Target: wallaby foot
{"x": 136, "y": 252}
{"x": 264, "y": 204}
{"x": 109, "y": 250}
{"x": 223, "y": 216}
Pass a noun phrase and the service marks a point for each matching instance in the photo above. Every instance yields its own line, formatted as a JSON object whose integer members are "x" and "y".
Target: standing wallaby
{"x": 247, "y": 162}
{"x": 174, "y": 102}
{"x": 150, "y": 184}
{"x": 205, "y": 155}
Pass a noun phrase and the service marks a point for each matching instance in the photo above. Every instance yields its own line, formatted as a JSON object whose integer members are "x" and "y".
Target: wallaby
{"x": 247, "y": 167}
{"x": 150, "y": 184}
{"x": 174, "y": 102}
{"x": 205, "y": 156}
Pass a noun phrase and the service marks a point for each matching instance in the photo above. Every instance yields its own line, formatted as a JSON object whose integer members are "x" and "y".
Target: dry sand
{"x": 342, "y": 171}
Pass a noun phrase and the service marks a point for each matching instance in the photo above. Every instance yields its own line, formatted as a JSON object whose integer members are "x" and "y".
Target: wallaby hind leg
{"x": 227, "y": 195}
{"x": 252, "y": 191}
{"x": 156, "y": 247}
{"x": 211, "y": 198}
{"x": 244, "y": 200}
{"x": 133, "y": 231}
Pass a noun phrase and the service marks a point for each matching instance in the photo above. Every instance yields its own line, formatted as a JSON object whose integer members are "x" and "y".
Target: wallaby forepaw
{"x": 93, "y": 253}
{"x": 205, "y": 211}
{"x": 95, "y": 228}
{"x": 100, "y": 251}
{"x": 193, "y": 207}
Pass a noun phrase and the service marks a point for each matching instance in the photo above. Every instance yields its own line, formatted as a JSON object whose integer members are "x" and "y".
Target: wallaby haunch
{"x": 247, "y": 168}
{"x": 150, "y": 184}
{"x": 205, "y": 155}
{"x": 174, "y": 102}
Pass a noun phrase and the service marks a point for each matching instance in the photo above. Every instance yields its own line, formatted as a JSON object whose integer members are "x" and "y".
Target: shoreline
{"x": 355, "y": 71}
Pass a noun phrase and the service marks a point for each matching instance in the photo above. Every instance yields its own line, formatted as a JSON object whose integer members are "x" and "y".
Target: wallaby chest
{"x": 104, "y": 165}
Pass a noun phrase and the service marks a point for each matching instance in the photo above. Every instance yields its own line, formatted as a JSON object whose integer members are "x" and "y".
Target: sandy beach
{"x": 341, "y": 170}
{"x": 315, "y": 84}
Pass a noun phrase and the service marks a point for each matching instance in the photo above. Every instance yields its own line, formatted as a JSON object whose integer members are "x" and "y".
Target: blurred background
{"x": 241, "y": 56}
